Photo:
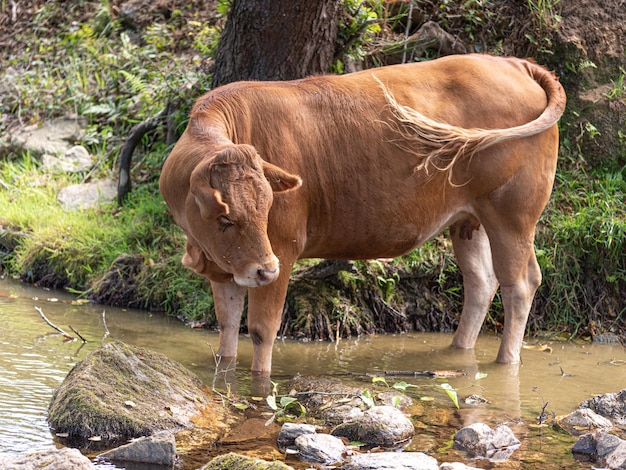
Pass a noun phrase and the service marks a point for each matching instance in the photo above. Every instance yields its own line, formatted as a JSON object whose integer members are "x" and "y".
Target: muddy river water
{"x": 34, "y": 360}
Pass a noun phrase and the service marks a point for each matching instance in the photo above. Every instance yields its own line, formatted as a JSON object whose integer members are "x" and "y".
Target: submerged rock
{"x": 334, "y": 402}
{"x": 482, "y": 441}
{"x": 50, "y": 459}
{"x": 96, "y": 396}
{"x": 158, "y": 449}
{"x": 383, "y": 426}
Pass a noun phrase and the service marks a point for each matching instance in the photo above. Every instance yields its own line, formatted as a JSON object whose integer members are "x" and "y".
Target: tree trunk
{"x": 276, "y": 40}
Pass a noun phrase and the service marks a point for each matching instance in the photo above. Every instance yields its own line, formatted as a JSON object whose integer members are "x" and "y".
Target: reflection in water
{"x": 34, "y": 361}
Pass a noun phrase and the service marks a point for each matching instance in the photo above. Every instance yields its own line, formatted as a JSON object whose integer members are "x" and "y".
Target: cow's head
{"x": 227, "y": 211}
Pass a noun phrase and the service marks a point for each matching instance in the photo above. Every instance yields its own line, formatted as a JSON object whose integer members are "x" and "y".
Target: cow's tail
{"x": 439, "y": 145}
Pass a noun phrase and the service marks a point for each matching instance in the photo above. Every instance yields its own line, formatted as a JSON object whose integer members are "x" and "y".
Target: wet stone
{"x": 480, "y": 440}
{"x": 158, "y": 449}
{"x": 49, "y": 459}
{"x": 583, "y": 421}
{"x": 290, "y": 431}
{"x": 383, "y": 426}
{"x": 456, "y": 466}
{"x": 391, "y": 461}
{"x": 609, "y": 405}
{"x": 602, "y": 449}
{"x": 320, "y": 448}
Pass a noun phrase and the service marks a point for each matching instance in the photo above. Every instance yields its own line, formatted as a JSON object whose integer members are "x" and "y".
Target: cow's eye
{"x": 225, "y": 222}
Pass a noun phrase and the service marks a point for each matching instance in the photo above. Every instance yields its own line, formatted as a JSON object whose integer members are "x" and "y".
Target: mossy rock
{"x": 121, "y": 392}
{"x": 234, "y": 461}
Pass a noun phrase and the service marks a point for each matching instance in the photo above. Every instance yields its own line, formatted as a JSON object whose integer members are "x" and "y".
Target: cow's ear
{"x": 209, "y": 200}
{"x": 194, "y": 258}
{"x": 279, "y": 179}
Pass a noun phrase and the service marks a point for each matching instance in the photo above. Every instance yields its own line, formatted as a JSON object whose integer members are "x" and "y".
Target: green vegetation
{"x": 93, "y": 67}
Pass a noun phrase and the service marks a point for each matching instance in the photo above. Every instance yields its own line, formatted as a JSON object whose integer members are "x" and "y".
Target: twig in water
{"x": 106, "y": 328}
{"x": 78, "y": 334}
{"x": 68, "y": 336}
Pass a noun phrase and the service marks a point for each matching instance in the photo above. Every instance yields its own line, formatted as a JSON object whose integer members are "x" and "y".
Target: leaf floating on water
{"x": 130, "y": 404}
{"x": 538, "y": 347}
{"x": 480, "y": 375}
{"x": 95, "y": 438}
{"x": 427, "y": 398}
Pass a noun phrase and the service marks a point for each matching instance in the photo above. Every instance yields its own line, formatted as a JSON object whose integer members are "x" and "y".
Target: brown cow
{"x": 368, "y": 165}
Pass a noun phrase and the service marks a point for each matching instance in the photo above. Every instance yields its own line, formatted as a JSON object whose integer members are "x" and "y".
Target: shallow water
{"x": 34, "y": 360}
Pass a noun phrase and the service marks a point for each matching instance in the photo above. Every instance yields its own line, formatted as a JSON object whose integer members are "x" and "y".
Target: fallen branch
{"x": 104, "y": 323}
{"x": 68, "y": 336}
{"x": 78, "y": 334}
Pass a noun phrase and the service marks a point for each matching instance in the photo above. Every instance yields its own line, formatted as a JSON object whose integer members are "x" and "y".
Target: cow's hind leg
{"x": 516, "y": 268}
{"x": 473, "y": 254}
{"x": 519, "y": 275}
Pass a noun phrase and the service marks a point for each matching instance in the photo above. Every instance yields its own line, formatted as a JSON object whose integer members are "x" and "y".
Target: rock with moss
{"x": 121, "y": 392}
{"x": 234, "y": 461}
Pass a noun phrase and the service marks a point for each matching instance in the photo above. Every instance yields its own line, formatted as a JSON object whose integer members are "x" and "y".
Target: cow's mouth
{"x": 257, "y": 275}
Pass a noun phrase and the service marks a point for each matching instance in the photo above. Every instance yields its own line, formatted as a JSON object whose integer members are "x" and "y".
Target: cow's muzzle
{"x": 257, "y": 275}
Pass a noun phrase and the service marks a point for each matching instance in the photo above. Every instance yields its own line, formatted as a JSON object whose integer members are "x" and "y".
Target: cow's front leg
{"x": 265, "y": 310}
{"x": 229, "y": 302}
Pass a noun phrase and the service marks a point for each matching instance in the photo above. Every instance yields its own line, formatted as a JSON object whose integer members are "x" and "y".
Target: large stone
{"x": 384, "y": 426}
{"x": 123, "y": 392}
{"x": 52, "y": 138}
{"x": 320, "y": 448}
{"x": 75, "y": 159}
{"x": 601, "y": 448}
{"x": 290, "y": 431}
{"x": 609, "y": 405}
{"x": 49, "y": 459}
{"x": 158, "y": 449}
{"x": 81, "y": 196}
{"x": 481, "y": 441}
{"x": 391, "y": 461}
{"x": 583, "y": 421}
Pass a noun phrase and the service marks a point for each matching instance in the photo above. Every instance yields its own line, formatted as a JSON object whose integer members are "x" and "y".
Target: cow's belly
{"x": 368, "y": 242}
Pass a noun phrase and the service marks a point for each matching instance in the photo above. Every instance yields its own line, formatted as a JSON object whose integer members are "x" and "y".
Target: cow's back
{"x": 361, "y": 195}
